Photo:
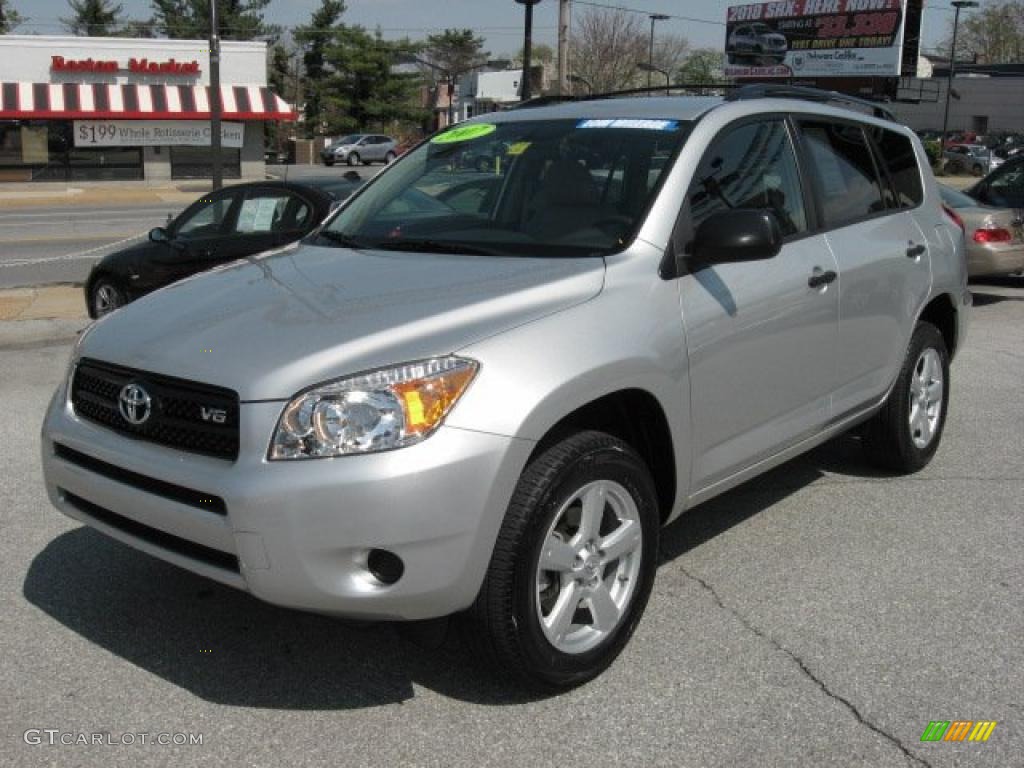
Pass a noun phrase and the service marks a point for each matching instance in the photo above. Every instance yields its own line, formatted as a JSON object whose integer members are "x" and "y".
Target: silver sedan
{"x": 995, "y": 236}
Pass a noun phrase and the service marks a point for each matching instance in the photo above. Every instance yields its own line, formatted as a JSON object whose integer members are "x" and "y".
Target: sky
{"x": 499, "y": 21}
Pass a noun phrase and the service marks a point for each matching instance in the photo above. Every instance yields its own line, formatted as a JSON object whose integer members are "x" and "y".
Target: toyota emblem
{"x": 135, "y": 404}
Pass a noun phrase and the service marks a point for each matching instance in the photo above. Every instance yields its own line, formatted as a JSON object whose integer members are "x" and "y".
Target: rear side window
{"x": 898, "y": 158}
{"x": 750, "y": 166}
{"x": 844, "y": 171}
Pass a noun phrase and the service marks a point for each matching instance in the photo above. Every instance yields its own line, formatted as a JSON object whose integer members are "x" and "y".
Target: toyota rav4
{"x": 481, "y": 393}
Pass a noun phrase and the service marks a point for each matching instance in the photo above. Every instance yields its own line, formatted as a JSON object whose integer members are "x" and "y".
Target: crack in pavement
{"x": 806, "y": 671}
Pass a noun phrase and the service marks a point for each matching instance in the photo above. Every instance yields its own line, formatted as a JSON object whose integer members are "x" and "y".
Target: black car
{"x": 1004, "y": 187}
{"x": 231, "y": 223}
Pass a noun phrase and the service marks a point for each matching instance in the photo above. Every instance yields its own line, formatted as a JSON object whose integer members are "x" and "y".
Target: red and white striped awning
{"x": 103, "y": 101}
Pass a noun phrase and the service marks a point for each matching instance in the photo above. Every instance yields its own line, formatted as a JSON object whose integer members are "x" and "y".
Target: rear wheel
{"x": 105, "y": 296}
{"x": 572, "y": 567}
{"x": 389, "y": 158}
{"x": 905, "y": 434}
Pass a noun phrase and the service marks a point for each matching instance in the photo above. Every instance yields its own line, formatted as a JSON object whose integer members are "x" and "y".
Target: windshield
{"x": 527, "y": 188}
{"x": 348, "y": 139}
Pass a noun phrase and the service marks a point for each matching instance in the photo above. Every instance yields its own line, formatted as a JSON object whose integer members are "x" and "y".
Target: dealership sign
{"x": 153, "y": 133}
{"x": 815, "y": 38}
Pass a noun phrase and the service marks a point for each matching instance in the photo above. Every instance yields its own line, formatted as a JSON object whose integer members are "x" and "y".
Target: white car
{"x": 758, "y": 41}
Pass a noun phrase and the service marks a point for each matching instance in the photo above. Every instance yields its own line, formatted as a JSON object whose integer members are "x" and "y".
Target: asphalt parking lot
{"x": 820, "y": 615}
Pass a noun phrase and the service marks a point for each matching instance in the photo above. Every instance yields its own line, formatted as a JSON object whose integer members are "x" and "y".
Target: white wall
{"x": 1001, "y": 99}
{"x": 27, "y": 58}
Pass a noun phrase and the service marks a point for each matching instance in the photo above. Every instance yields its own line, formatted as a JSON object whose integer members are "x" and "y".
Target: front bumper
{"x": 296, "y": 533}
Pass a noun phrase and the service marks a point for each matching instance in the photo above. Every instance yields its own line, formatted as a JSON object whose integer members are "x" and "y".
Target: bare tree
{"x": 993, "y": 34}
{"x": 670, "y": 51}
{"x": 606, "y": 46}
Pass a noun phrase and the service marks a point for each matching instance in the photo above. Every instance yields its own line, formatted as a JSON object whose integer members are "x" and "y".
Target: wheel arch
{"x": 941, "y": 312}
{"x": 636, "y": 417}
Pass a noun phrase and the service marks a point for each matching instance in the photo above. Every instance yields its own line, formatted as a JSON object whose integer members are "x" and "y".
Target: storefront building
{"x": 103, "y": 108}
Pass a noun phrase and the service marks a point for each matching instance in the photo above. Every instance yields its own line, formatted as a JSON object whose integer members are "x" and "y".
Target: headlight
{"x": 376, "y": 411}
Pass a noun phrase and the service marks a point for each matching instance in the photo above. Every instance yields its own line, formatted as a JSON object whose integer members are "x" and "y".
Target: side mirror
{"x": 742, "y": 234}
{"x": 159, "y": 235}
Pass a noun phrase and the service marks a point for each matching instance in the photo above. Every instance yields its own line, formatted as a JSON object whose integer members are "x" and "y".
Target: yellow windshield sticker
{"x": 518, "y": 148}
{"x": 464, "y": 133}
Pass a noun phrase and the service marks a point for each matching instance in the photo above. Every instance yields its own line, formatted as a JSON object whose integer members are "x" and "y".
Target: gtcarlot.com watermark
{"x": 57, "y": 737}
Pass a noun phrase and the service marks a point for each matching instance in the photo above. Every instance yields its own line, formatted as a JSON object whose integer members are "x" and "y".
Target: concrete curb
{"x": 43, "y": 315}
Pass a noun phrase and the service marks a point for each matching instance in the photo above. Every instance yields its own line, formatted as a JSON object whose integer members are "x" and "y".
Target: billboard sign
{"x": 815, "y": 38}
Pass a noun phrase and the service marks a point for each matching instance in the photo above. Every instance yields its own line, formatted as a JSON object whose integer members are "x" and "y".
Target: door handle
{"x": 916, "y": 250}
{"x": 819, "y": 279}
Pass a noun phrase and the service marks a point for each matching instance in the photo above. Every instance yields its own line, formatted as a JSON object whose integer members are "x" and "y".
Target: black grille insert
{"x": 162, "y": 488}
{"x": 183, "y": 414}
{"x": 162, "y": 539}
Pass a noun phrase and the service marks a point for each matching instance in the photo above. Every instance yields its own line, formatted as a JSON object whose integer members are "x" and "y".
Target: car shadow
{"x": 227, "y": 647}
{"x": 980, "y": 299}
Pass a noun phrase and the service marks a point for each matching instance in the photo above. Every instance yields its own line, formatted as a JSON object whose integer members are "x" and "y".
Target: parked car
{"x": 971, "y": 158}
{"x": 995, "y": 236}
{"x": 491, "y": 407}
{"x": 1004, "y": 187}
{"x": 757, "y": 41}
{"x": 359, "y": 148}
{"x": 236, "y": 221}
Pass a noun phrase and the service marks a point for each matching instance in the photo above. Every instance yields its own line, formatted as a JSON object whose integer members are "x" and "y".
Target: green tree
{"x": 361, "y": 89}
{"x": 314, "y": 38}
{"x": 96, "y": 18}
{"x": 9, "y": 18}
{"x": 704, "y": 65}
{"x": 190, "y": 19}
{"x": 453, "y": 52}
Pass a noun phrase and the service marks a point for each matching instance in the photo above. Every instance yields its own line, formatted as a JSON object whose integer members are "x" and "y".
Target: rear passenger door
{"x": 883, "y": 257}
{"x": 762, "y": 341}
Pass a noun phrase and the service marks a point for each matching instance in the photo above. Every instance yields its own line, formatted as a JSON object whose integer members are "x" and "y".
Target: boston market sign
{"x": 138, "y": 66}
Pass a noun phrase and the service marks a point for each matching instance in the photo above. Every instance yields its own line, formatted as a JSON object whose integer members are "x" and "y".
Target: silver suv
{"x": 359, "y": 148}
{"x": 481, "y": 394}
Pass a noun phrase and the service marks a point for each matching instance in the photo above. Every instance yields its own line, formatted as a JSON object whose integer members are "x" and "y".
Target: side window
{"x": 750, "y": 166}
{"x": 271, "y": 211}
{"x": 1007, "y": 187}
{"x": 897, "y": 154}
{"x": 845, "y": 172}
{"x": 206, "y": 220}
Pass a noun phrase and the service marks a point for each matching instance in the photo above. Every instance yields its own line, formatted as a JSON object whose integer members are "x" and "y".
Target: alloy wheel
{"x": 926, "y": 385}
{"x": 589, "y": 567}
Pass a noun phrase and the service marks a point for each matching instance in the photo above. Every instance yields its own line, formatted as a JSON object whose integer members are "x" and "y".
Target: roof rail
{"x": 782, "y": 91}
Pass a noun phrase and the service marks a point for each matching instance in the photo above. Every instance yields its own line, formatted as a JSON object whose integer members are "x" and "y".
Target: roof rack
{"x": 782, "y": 91}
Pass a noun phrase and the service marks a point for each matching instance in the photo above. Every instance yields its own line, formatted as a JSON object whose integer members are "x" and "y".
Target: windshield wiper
{"x": 436, "y": 246}
{"x": 340, "y": 238}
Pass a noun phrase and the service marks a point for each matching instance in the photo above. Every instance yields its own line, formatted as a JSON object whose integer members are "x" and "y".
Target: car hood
{"x": 270, "y": 326}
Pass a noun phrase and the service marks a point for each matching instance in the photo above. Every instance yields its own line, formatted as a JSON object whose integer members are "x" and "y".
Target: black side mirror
{"x": 159, "y": 235}
{"x": 742, "y": 234}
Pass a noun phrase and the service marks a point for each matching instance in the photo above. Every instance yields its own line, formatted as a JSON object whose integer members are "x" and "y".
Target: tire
{"x": 891, "y": 439}
{"x": 353, "y": 158}
{"x": 105, "y": 296}
{"x": 511, "y": 625}
{"x": 389, "y": 158}
{"x": 328, "y": 162}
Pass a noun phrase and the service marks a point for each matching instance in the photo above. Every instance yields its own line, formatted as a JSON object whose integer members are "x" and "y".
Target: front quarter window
{"x": 569, "y": 187}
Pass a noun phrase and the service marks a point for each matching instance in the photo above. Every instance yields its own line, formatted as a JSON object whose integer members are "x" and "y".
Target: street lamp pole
{"x": 958, "y": 4}
{"x": 216, "y": 167}
{"x": 650, "y": 49}
{"x": 527, "y": 46}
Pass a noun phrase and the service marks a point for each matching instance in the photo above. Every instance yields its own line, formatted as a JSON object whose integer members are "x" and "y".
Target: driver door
{"x": 197, "y": 236}
{"x": 762, "y": 340}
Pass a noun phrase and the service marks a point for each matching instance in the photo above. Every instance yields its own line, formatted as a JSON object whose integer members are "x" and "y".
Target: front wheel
{"x": 572, "y": 567}
{"x": 105, "y": 296}
{"x": 353, "y": 158}
{"x": 328, "y": 161}
{"x": 905, "y": 434}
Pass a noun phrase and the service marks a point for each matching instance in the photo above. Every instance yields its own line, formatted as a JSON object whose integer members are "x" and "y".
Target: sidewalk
{"x": 42, "y": 194}
{"x": 48, "y": 314}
